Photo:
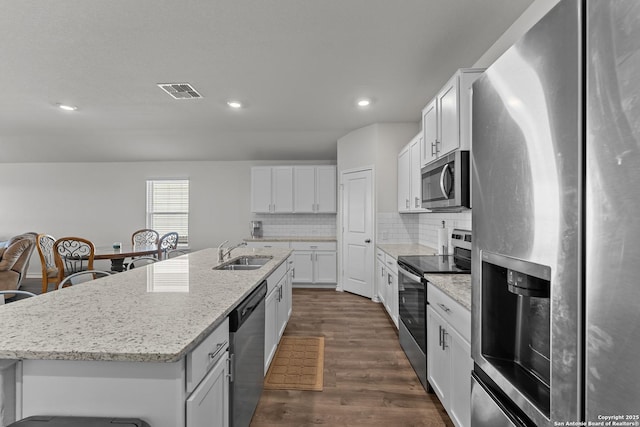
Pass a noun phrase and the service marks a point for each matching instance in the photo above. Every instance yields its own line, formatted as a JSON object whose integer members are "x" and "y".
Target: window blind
{"x": 168, "y": 207}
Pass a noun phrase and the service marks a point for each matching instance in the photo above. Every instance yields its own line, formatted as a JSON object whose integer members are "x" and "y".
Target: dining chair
{"x": 72, "y": 255}
{"x": 177, "y": 252}
{"x": 144, "y": 237}
{"x": 15, "y": 292}
{"x": 72, "y": 278}
{"x": 167, "y": 242}
{"x": 141, "y": 262}
{"x": 44, "y": 243}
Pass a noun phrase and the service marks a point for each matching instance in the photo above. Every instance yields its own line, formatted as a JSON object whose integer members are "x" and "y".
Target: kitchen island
{"x": 121, "y": 345}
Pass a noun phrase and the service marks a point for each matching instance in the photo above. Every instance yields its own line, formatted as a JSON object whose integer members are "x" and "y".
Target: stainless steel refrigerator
{"x": 556, "y": 235}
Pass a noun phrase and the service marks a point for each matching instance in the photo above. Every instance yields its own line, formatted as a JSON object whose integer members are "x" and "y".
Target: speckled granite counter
{"x": 399, "y": 249}
{"x": 294, "y": 239}
{"x": 457, "y": 286}
{"x": 156, "y": 313}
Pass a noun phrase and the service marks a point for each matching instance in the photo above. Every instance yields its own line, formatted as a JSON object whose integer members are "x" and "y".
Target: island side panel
{"x": 154, "y": 392}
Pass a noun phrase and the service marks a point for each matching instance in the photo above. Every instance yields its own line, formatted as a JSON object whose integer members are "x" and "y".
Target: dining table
{"x": 117, "y": 255}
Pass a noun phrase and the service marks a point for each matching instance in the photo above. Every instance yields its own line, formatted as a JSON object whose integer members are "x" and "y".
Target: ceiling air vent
{"x": 180, "y": 90}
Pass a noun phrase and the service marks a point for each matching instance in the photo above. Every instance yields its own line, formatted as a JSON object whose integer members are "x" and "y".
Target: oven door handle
{"x": 411, "y": 276}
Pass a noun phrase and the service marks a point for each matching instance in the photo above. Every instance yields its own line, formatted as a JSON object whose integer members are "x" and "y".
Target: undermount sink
{"x": 244, "y": 263}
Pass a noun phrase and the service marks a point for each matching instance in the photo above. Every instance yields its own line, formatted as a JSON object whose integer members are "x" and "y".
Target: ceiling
{"x": 298, "y": 65}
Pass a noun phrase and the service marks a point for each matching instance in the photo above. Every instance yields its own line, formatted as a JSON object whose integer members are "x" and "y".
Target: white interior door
{"x": 357, "y": 223}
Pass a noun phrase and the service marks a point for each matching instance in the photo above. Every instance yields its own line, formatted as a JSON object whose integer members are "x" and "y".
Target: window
{"x": 168, "y": 207}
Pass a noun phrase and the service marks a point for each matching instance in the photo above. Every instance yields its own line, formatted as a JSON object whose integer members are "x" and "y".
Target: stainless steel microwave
{"x": 445, "y": 183}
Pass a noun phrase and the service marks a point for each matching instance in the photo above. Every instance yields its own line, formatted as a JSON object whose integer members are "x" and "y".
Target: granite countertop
{"x": 156, "y": 313}
{"x": 293, "y": 239}
{"x": 457, "y": 286}
{"x": 400, "y": 249}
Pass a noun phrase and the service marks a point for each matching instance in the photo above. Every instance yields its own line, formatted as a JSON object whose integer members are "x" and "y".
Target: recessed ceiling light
{"x": 234, "y": 104}
{"x": 364, "y": 102}
{"x": 67, "y": 107}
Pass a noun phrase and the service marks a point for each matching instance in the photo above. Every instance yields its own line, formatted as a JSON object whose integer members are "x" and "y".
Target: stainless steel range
{"x": 412, "y": 296}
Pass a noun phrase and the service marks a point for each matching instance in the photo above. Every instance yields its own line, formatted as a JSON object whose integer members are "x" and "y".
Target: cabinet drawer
{"x": 267, "y": 244}
{"x": 455, "y": 314}
{"x": 391, "y": 263}
{"x": 313, "y": 246}
{"x": 276, "y": 276}
{"x": 206, "y": 354}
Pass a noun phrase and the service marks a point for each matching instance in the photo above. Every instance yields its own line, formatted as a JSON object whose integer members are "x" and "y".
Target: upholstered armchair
{"x": 14, "y": 261}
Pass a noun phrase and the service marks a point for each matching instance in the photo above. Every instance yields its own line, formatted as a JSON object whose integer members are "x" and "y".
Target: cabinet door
{"x": 208, "y": 405}
{"x": 303, "y": 261}
{"x": 381, "y": 280}
{"x": 283, "y": 189}
{"x": 270, "y": 327}
{"x": 325, "y": 267}
{"x": 448, "y": 117}
{"x": 261, "y": 189}
{"x": 283, "y": 306}
{"x": 430, "y": 132}
{"x": 461, "y": 367}
{"x": 415, "y": 175}
{"x": 326, "y": 189}
{"x": 305, "y": 189}
{"x": 393, "y": 299}
{"x": 438, "y": 363}
{"x": 404, "y": 180}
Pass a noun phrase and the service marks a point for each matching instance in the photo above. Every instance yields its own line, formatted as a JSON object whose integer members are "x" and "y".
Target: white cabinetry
{"x": 409, "y": 177}
{"x": 449, "y": 362}
{"x": 192, "y": 392}
{"x": 314, "y": 189}
{"x": 272, "y": 189}
{"x": 293, "y": 189}
{"x": 387, "y": 283}
{"x": 315, "y": 262}
{"x": 277, "y": 309}
{"x": 446, "y": 120}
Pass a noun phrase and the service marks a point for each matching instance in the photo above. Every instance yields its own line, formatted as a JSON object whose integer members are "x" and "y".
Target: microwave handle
{"x": 442, "y": 175}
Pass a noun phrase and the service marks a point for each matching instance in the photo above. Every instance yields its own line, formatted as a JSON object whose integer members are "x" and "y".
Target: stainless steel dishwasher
{"x": 246, "y": 327}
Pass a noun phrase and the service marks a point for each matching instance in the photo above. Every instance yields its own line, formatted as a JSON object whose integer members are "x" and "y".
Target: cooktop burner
{"x": 422, "y": 264}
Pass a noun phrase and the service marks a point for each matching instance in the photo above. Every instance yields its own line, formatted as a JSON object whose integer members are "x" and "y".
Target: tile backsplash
{"x": 273, "y": 225}
{"x": 419, "y": 228}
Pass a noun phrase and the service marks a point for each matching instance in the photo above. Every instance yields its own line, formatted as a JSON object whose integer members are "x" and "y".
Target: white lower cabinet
{"x": 208, "y": 405}
{"x": 277, "y": 309}
{"x": 191, "y": 392}
{"x": 387, "y": 283}
{"x": 449, "y": 362}
{"x": 315, "y": 262}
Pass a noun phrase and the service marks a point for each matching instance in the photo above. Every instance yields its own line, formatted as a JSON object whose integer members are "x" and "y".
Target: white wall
{"x": 105, "y": 202}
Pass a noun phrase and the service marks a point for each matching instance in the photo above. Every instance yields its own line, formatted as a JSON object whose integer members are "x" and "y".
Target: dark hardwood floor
{"x": 368, "y": 380}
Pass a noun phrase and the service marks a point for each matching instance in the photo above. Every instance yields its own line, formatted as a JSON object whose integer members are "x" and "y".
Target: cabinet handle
{"x": 417, "y": 202}
{"x": 268, "y": 246}
{"x": 313, "y": 246}
{"x": 444, "y": 307}
{"x": 381, "y": 271}
{"x": 433, "y": 147}
{"x": 230, "y": 366}
{"x": 444, "y": 339}
{"x": 311, "y": 257}
{"x": 214, "y": 354}
{"x": 437, "y": 149}
{"x": 388, "y": 279}
{"x": 439, "y": 336}
{"x": 406, "y": 203}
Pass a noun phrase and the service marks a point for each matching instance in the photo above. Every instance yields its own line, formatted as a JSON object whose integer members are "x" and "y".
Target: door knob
{"x": 368, "y": 241}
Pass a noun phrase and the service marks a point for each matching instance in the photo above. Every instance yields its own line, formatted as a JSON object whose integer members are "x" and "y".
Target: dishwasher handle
{"x": 242, "y": 312}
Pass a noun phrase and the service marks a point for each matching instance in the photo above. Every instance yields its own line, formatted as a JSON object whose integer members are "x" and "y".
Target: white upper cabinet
{"x": 446, "y": 120}
{"x": 293, "y": 189}
{"x": 409, "y": 176}
{"x": 314, "y": 189}
{"x": 272, "y": 189}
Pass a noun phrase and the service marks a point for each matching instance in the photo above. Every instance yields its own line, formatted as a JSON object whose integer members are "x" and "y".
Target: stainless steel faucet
{"x": 222, "y": 253}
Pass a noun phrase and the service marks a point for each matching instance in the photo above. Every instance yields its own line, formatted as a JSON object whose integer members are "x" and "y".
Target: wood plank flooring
{"x": 368, "y": 380}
